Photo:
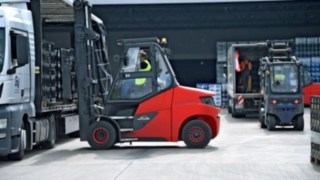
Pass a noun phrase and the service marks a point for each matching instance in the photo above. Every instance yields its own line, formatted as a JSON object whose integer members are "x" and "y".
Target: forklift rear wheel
{"x": 299, "y": 123}
{"x": 18, "y": 156}
{"x": 271, "y": 123}
{"x": 196, "y": 134}
{"x": 101, "y": 135}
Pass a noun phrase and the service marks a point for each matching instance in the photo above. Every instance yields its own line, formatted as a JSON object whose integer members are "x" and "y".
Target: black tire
{"x": 271, "y": 120}
{"x": 299, "y": 123}
{"x": 18, "y": 156}
{"x": 196, "y": 134}
{"x": 262, "y": 121}
{"x": 49, "y": 144}
{"x": 229, "y": 109}
{"x": 101, "y": 135}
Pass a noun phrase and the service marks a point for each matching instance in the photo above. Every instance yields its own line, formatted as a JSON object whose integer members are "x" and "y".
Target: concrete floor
{"x": 241, "y": 151}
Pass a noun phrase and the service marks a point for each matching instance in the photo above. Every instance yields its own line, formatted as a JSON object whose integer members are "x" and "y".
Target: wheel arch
{"x": 205, "y": 118}
{"x": 114, "y": 124}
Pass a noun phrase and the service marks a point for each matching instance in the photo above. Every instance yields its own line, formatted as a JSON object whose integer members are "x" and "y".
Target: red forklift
{"x": 159, "y": 109}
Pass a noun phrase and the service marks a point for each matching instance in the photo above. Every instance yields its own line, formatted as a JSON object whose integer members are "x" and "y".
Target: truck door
{"x": 20, "y": 73}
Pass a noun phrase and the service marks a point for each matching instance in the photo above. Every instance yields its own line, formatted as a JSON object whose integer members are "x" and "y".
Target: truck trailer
{"x": 243, "y": 101}
{"x": 38, "y": 84}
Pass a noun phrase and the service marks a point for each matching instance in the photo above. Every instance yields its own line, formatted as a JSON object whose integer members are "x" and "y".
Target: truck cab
{"x": 159, "y": 109}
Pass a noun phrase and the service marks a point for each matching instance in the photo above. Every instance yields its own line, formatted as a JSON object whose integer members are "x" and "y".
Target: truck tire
{"x": 49, "y": 144}
{"x": 298, "y": 123}
{"x": 18, "y": 156}
{"x": 101, "y": 135}
{"x": 271, "y": 120}
{"x": 196, "y": 134}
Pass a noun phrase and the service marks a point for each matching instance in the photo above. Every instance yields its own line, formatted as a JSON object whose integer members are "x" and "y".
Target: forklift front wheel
{"x": 101, "y": 135}
{"x": 196, "y": 134}
{"x": 271, "y": 120}
{"x": 262, "y": 121}
{"x": 299, "y": 123}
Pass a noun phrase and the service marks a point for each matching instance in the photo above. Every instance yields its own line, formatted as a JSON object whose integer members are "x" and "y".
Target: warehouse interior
{"x": 194, "y": 29}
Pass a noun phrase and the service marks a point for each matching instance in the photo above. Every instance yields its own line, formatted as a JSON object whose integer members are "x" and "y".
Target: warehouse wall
{"x": 193, "y": 30}
{"x": 201, "y": 43}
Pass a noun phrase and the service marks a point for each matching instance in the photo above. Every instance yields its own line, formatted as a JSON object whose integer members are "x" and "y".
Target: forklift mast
{"x": 93, "y": 77}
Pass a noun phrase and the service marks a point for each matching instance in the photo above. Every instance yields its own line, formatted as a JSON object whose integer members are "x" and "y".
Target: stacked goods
{"x": 65, "y": 67}
{"x": 221, "y": 61}
{"x": 48, "y": 72}
{"x": 217, "y": 89}
{"x": 224, "y": 95}
{"x": 308, "y": 52}
{"x": 315, "y": 129}
{"x": 221, "y": 72}
{"x": 55, "y": 80}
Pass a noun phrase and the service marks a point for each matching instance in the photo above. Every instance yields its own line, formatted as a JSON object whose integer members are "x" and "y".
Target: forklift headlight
{"x": 208, "y": 101}
{"x": 3, "y": 123}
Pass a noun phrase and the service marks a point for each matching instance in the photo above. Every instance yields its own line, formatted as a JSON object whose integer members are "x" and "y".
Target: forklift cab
{"x": 133, "y": 83}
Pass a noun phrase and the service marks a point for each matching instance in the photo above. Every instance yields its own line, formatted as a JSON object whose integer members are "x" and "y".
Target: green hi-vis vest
{"x": 141, "y": 81}
{"x": 279, "y": 77}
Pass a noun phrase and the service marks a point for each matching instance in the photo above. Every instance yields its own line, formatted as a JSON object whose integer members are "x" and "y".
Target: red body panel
{"x": 175, "y": 107}
{"x": 160, "y": 126}
{"x": 311, "y": 90}
{"x": 187, "y": 105}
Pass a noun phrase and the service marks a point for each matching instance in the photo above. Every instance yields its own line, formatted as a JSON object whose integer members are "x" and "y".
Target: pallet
{"x": 315, "y": 161}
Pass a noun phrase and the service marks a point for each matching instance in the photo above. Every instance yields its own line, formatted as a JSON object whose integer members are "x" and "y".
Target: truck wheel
{"x": 299, "y": 123}
{"x": 196, "y": 134}
{"x": 49, "y": 144}
{"x": 271, "y": 123}
{"x": 101, "y": 135}
{"x": 18, "y": 156}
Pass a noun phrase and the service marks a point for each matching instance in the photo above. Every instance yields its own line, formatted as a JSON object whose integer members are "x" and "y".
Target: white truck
{"x": 38, "y": 87}
{"x": 244, "y": 100}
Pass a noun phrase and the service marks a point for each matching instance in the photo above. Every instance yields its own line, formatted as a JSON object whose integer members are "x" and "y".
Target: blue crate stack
{"x": 215, "y": 88}
{"x": 307, "y": 49}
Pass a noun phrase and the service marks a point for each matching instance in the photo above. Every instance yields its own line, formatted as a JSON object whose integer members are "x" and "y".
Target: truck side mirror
{"x": 22, "y": 46}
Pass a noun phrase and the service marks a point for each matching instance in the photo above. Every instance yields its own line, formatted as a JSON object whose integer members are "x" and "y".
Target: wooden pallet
{"x": 315, "y": 161}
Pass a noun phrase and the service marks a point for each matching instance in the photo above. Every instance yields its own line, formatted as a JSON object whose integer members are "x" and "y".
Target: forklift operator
{"x": 144, "y": 66}
{"x": 132, "y": 83}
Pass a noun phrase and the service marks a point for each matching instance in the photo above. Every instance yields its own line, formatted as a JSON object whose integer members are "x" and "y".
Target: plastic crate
{"x": 315, "y": 129}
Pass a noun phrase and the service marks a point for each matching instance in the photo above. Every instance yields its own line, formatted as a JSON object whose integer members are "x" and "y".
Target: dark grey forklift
{"x": 282, "y": 82}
